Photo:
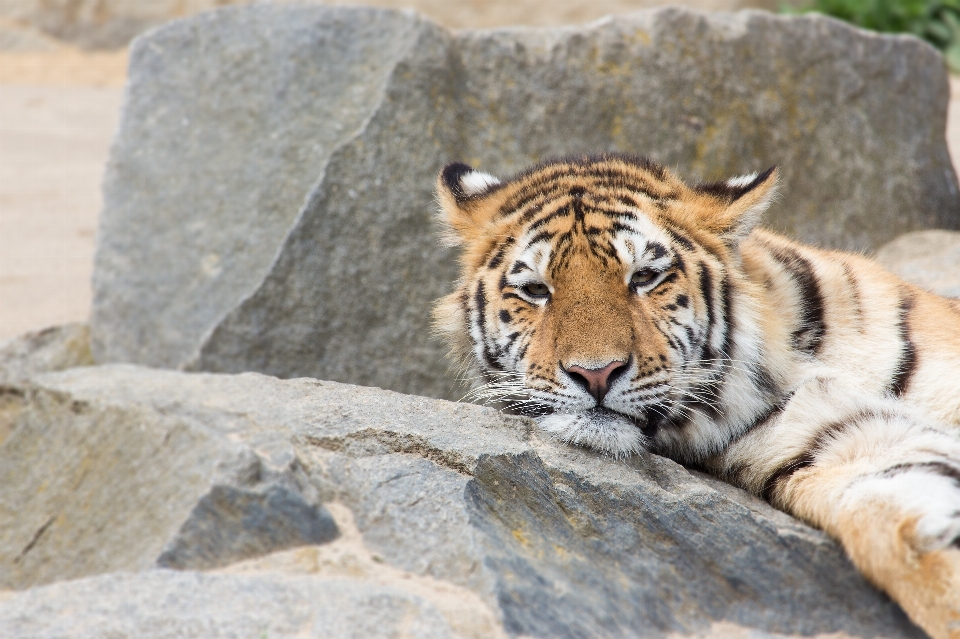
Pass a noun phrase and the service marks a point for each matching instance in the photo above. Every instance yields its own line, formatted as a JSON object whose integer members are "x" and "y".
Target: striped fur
{"x": 628, "y": 311}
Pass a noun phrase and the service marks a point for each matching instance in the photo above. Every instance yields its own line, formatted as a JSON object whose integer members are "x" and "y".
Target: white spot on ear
{"x": 742, "y": 181}
{"x": 476, "y": 182}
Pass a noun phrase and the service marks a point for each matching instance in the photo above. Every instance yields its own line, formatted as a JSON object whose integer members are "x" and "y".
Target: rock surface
{"x": 204, "y": 606}
{"x": 929, "y": 259}
{"x": 51, "y": 349}
{"x": 550, "y": 540}
{"x": 280, "y": 219}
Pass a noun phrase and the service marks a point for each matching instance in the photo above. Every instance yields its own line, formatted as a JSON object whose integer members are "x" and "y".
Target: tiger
{"x": 626, "y": 310}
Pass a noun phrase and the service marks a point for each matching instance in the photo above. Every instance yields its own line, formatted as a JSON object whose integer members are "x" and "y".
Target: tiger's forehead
{"x": 640, "y": 185}
{"x": 609, "y": 217}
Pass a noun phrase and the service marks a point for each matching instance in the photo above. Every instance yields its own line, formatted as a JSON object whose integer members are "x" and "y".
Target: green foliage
{"x": 936, "y": 21}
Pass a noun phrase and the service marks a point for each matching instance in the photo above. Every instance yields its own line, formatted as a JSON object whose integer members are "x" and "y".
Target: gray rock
{"x": 193, "y": 605}
{"x": 51, "y": 349}
{"x": 279, "y": 220}
{"x": 90, "y": 485}
{"x": 560, "y": 542}
{"x": 929, "y": 259}
{"x": 229, "y": 524}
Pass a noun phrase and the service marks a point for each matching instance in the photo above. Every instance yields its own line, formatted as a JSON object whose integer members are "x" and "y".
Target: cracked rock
{"x": 121, "y": 468}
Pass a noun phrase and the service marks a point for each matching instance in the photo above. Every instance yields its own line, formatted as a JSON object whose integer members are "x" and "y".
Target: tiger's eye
{"x": 643, "y": 276}
{"x": 537, "y": 289}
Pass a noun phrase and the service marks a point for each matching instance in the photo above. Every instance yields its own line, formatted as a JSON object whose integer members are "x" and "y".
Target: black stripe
{"x": 814, "y": 447}
{"x": 677, "y": 236}
{"x": 480, "y": 299}
{"x": 764, "y": 380}
{"x": 679, "y": 264}
{"x": 659, "y": 250}
{"x": 542, "y": 235}
{"x": 811, "y": 329}
{"x": 785, "y": 471}
{"x": 671, "y": 277}
{"x": 560, "y": 212}
{"x": 727, "y": 301}
{"x": 774, "y": 410}
{"x": 907, "y": 363}
{"x": 519, "y": 267}
{"x": 497, "y": 258}
{"x": 706, "y": 291}
{"x": 941, "y": 468}
{"x": 523, "y": 351}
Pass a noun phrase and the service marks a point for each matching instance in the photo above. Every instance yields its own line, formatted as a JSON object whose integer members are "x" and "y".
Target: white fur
{"x": 603, "y": 432}
{"x": 742, "y": 180}
{"x": 476, "y": 182}
{"x": 933, "y": 498}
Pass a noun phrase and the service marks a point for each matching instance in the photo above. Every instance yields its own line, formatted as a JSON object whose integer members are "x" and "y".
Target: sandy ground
{"x": 57, "y": 117}
{"x": 58, "y": 113}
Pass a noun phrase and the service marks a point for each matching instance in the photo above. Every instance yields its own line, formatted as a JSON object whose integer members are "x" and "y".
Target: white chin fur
{"x": 604, "y": 432}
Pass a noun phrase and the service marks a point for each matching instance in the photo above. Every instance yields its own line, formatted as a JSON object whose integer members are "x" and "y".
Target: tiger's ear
{"x": 464, "y": 197}
{"x": 742, "y": 202}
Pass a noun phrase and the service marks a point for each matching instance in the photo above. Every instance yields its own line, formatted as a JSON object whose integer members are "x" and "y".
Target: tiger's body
{"x": 628, "y": 311}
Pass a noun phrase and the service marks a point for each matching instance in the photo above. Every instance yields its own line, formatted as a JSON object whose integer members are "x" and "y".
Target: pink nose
{"x": 597, "y": 380}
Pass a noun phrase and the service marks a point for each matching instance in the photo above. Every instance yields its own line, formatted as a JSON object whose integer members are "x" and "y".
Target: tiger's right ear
{"x": 465, "y": 202}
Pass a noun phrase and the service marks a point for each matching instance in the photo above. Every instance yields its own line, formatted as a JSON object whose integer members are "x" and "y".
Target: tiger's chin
{"x": 601, "y": 429}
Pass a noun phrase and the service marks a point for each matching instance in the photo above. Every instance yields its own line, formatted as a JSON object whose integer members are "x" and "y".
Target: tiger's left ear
{"x": 742, "y": 202}
{"x": 465, "y": 201}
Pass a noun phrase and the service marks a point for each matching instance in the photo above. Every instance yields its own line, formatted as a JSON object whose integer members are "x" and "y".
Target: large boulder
{"x": 121, "y": 468}
{"x": 268, "y": 200}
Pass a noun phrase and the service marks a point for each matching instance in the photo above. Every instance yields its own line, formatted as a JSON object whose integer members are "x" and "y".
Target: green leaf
{"x": 952, "y": 55}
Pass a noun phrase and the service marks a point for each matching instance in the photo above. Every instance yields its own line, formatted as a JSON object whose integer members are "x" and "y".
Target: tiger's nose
{"x": 597, "y": 381}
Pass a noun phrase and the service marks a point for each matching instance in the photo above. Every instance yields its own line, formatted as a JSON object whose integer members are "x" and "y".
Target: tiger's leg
{"x": 888, "y": 488}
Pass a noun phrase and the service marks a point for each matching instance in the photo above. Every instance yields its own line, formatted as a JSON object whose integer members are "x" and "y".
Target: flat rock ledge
{"x": 146, "y": 503}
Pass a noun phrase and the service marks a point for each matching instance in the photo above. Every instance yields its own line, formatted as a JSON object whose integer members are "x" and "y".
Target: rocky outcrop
{"x": 929, "y": 259}
{"x": 51, "y": 349}
{"x": 336, "y": 497}
{"x": 279, "y": 220}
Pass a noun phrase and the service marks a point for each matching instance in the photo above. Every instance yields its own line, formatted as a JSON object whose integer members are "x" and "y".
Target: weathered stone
{"x": 207, "y": 606}
{"x": 279, "y": 220}
{"x": 558, "y": 541}
{"x": 229, "y": 524}
{"x": 91, "y": 485}
{"x": 930, "y": 259}
{"x": 51, "y": 349}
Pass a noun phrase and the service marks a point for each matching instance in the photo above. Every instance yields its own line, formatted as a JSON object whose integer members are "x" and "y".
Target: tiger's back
{"x": 626, "y": 310}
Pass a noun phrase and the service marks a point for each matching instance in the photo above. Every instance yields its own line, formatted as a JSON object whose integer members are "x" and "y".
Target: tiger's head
{"x": 595, "y": 292}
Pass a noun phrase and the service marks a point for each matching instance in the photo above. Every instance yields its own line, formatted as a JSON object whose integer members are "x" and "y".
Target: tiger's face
{"x": 591, "y": 289}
